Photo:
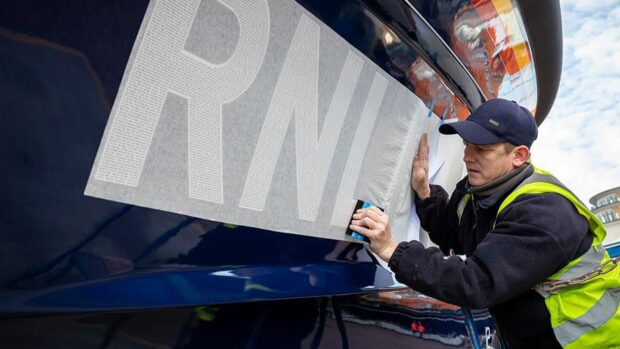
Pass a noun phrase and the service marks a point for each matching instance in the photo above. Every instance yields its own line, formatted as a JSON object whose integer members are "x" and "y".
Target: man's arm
{"x": 438, "y": 217}
{"x": 535, "y": 236}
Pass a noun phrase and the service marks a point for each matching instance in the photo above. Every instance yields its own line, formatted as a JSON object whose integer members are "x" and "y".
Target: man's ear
{"x": 521, "y": 155}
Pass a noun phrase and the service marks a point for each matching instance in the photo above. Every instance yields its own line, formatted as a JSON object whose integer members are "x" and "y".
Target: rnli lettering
{"x": 163, "y": 66}
{"x": 226, "y": 128}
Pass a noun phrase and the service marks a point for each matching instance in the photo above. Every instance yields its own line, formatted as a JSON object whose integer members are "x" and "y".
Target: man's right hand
{"x": 419, "y": 170}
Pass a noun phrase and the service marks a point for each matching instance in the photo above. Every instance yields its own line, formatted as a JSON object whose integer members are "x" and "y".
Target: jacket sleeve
{"x": 534, "y": 237}
{"x": 438, "y": 217}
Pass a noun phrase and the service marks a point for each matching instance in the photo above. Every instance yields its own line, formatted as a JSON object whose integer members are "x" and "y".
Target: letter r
{"x": 161, "y": 65}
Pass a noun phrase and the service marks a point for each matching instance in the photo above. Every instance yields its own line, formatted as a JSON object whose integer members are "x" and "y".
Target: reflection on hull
{"x": 340, "y": 322}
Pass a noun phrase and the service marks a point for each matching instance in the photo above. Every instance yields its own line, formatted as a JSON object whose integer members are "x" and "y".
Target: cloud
{"x": 587, "y": 6}
{"x": 579, "y": 140}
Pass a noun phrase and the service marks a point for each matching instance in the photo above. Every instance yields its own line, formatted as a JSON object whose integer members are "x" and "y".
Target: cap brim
{"x": 471, "y": 132}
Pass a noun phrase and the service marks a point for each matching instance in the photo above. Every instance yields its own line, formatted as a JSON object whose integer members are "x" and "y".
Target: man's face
{"x": 486, "y": 163}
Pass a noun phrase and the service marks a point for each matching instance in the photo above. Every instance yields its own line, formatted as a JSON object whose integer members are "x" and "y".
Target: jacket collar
{"x": 487, "y": 195}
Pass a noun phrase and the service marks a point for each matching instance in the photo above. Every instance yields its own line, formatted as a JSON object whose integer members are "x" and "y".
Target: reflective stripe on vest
{"x": 584, "y": 315}
{"x": 604, "y": 309}
{"x": 590, "y": 260}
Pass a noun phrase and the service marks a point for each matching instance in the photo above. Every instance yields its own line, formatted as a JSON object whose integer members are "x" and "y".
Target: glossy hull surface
{"x": 333, "y": 322}
{"x": 80, "y": 272}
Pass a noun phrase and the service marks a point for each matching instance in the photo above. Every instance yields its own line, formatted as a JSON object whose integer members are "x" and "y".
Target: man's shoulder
{"x": 542, "y": 204}
{"x": 550, "y": 199}
{"x": 549, "y": 216}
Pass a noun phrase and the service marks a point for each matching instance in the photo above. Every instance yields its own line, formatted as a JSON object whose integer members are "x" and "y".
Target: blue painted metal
{"x": 197, "y": 286}
{"x": 61, "y": 73}
{"x": 613, "y": 249}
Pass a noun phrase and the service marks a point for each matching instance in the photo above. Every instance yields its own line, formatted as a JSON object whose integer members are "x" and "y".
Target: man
{"x": 519, "y": 228}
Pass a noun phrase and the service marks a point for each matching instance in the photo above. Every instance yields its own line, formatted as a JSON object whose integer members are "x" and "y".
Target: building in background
{"x": 607, "y": 208}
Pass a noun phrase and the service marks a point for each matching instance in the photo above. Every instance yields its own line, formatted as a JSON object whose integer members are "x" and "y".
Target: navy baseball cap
{"x": 495, "y": 121}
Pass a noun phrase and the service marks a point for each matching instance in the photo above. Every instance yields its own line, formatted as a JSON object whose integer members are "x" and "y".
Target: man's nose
{"x": 467, "y": 154}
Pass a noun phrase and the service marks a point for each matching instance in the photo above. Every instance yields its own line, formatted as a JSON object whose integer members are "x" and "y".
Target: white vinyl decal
{"x": 344, "y": 200}
{"x": 163, "y": 66}
{"x": 297, "y": 93}
{"x": 254, "y": 112}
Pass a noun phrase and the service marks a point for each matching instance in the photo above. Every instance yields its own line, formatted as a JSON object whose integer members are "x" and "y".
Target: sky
{"x": 579, "y": 141}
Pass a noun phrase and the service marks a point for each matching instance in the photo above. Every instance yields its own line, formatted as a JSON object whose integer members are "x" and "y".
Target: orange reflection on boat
{"x": 410, "y": 299}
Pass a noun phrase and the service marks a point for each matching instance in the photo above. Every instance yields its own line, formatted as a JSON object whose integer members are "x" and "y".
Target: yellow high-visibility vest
{"x": 585, "y": 314}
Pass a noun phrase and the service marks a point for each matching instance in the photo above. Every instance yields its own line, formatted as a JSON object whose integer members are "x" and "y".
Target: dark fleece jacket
{"x": 534, "y": 237}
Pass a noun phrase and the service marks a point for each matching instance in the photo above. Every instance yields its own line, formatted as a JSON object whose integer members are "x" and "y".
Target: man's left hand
{"x": 374, "y": 224}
